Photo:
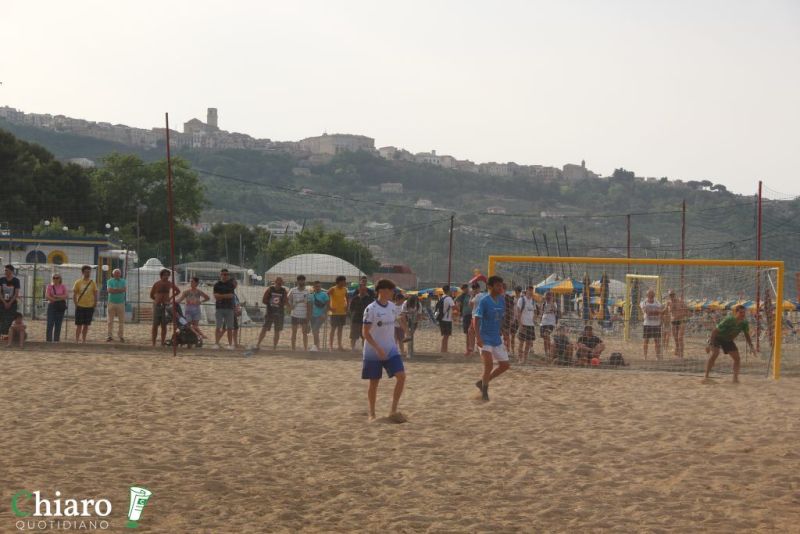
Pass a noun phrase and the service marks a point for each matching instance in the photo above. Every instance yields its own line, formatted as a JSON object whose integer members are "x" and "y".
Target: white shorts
{"x": 499, "y": 352}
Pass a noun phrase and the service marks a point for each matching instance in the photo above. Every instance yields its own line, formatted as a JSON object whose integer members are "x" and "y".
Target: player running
{"x": 380, "y": 349}
{"x": 722, "y": 338}
{"x": 488, "y": 318}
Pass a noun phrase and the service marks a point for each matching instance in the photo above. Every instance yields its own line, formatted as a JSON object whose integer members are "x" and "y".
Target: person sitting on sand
{"x": 561, "y": 346}
{"x": 17, "y": 331}
{"x": 588, "y": 346}
{"x": 380, "y": 350}
{"x": 722, "y": 338}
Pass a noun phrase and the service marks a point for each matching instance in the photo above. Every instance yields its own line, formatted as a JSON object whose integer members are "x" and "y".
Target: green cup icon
{"x": 139, "y": 497}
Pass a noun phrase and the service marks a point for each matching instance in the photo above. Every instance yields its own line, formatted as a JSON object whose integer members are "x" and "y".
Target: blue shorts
{"x": 373, "y": 369}
{"x": 192, "y": 313}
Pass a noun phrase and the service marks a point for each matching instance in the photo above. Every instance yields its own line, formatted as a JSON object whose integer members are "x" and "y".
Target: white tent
{"x": 141, "y": 279}
{"x": 322, "y": 267}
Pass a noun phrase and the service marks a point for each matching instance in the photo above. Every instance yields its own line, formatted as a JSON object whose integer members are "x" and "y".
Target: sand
{"x": 280, "y": 442}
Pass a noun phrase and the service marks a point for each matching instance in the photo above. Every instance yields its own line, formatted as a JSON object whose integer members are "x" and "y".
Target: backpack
{"x": 438, "y": 313}
{"x": 616, "y": 359}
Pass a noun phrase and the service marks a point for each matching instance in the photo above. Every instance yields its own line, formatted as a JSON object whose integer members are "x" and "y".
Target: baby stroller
{"x": 184, "y": 335}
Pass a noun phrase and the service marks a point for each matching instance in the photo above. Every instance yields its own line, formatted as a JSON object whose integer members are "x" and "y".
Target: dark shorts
{"x": 301, "y": 322}
{"x": 338, "y": 321}
{"x": 652, "y": 332}
{"x": 726, "y": 346}
{"x": 373, "y": 369}
{"x": 399, "y": 334}
{"x": 677, "y": 323}
{"x": 510, "y": 328}
{"x": 159, "y": 314}
{"x": 527, "y": 333}
{"x": 446, "y": 328}
{"x": 83, "y": 316}
{"x": 273, "y": 321}
{"x": 355, "y": 330}
{"x": 546, "y": 329}
{"x": 466, "y": 322}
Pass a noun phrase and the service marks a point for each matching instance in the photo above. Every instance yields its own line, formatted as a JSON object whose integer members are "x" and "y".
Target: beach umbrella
{"x": 788, "y": 305}
{"x": 586, "y": 311}
{"x": 604, "y": 287}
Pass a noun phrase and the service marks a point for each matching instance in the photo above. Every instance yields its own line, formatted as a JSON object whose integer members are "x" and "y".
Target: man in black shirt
{"x": 9, "y": 292}
{"x": 363, "y": 298}
{"x": 588, "y": 346}
{"x": 275, "y": 297}
{"x": 223, "y": 302}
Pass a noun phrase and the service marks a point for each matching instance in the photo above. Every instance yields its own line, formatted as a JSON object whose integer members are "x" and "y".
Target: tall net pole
{"x": 758, "y": 272}
{"x": 683, "y": 246}
{"x": 171, "y": 236}
{"x": 450, "y": 251}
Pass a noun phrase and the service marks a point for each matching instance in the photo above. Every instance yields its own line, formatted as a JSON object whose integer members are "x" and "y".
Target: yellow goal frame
{"x": 763, "y": 264}
{"x": 628, "y": 307}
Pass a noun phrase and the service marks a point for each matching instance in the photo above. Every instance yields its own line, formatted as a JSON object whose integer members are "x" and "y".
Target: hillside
{"x": 256, "y": 187}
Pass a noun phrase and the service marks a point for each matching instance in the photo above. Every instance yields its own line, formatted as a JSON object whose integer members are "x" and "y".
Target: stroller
{"x": 184, "y": 335}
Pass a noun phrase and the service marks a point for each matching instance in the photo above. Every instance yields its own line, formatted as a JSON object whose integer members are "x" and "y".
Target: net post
{"x": 778, "y": 341}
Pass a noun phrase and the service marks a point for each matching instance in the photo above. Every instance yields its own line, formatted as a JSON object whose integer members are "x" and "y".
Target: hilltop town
{"x": 317, "y": 150}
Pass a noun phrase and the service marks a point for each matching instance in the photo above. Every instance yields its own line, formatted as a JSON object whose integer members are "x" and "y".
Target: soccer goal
{"x": 670, "y": 332}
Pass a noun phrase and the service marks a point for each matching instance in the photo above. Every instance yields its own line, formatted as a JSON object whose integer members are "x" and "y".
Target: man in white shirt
{"x": 651, "y": 311}
{"x": 446, "y": 322}
{"x": 299, "y": 299}
{"x": 550, "y": 316}
{"x": 380, "y": 349}
{"x": 525, "y": 312}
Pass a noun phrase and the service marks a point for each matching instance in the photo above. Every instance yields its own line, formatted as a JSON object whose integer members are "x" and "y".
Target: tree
{"x": 622, "y": 176}
{"x": 719, "y": 187}
{"x": 317, "y": 240}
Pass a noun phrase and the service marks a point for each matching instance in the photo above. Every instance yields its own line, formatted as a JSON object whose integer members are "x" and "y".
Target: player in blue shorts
{"x": 487, "y": 319}
{"x": 380, "y": 349}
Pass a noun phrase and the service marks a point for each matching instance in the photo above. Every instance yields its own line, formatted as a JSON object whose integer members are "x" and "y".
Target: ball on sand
{"x": 595, "y": 362}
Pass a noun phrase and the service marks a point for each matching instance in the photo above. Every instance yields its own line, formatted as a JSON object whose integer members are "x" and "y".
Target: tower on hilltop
{"x": 211, "y": 119}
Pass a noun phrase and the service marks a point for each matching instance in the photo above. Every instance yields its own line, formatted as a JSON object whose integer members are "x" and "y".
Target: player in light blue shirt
{"x": 487, "y": 319}
{"x": 380, "y": 349}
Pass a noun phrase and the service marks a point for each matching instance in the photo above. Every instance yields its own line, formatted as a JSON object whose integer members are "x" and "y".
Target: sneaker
{"x": 109, "y": 339}
{"x": 217, "y": 346}
{"x": 228, "y": 347}
{"x": 313, "y": 349}
{"x": 122, "y": 340}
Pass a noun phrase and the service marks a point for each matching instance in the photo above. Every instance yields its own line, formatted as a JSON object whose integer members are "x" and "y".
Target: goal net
{"x": 658, "y": 313}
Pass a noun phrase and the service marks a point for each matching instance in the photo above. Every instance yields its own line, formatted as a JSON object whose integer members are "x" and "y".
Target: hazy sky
{"x": 690, "y": 90}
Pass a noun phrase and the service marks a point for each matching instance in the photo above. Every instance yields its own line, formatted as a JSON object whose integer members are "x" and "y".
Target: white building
{"x": 391, "y": 187}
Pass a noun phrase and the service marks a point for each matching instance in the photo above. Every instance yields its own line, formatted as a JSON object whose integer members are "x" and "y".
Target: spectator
{"x": 9, "y": 287}
{"x": 464, "y": 308}
{"x": 275, "y": 299}
{"x": 358, "y": 303}
{"x": 116, "y": 304}
{"x": 409, "y": 317}
{"x": 319, "y": 307}
{"x": 338, "y": 310}
{"x": 399, "y": 324}
{"x": 550, "y": 317}
{"x": 562, "y": 347}
{"x": 525, "y": 311}
{"x": 299, "y": 299}
{"x": 161, "y": 294}
{"x": 446, "y": 321}
{"x": 17, "y": 331}
{"x": 509, "y": 329}
{"x": 224, "y": 308}
{"x": 84, "y": 295}
{"x": 679, "y": 315}
{"x": 194, "y": 297}
{"x": 651, "y": 310}
{"x": 363, "y": 281}
{"x": 56, "y": 295}
{"x": 588, "y": 346}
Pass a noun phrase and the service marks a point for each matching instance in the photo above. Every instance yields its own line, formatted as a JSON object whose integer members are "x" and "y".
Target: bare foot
{"x": 372, "y": 417}
{"x": 397, "y": 417}
{"x": 707, "y": 380}
{"x": 735, "y": 380}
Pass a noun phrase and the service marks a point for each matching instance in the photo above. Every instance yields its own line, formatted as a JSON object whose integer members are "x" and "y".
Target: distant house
{"x": 391, "y": 187}
{"x": 301, "y": 171}
{"x": 282, "y": 228}
{"x": 423, "y": 203}
{"x": 496, "y": 210}
{"x": 337, "y": 143}
{"x": 494, "y": 169}
{"x": 400, "y": 274}
{"x": 374, "y": 225}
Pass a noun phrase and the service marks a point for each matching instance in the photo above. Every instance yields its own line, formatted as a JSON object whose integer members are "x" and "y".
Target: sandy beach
{"x": 280, "y": 442}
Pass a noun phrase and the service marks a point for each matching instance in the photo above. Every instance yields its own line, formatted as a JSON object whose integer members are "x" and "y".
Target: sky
{"x": 691, "y": 90}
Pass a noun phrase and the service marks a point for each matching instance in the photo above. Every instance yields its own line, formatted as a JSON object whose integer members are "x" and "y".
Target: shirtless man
{"x": 160, "y": 295}
{"x": 679, "y": 314}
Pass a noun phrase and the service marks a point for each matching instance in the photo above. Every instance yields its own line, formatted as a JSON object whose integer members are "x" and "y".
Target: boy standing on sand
{"x": 380, "y": 349}
{"x": 488, "y": 317}
{"x": 722, "y": 338}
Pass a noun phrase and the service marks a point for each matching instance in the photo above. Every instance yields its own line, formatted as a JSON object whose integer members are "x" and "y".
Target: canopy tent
{"x": 616, "y": 289}
{"x": 141, "y": 279}
{"x": 322, "y": 267}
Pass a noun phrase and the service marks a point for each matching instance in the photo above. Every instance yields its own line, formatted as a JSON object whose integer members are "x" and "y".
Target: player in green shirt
{"x": 722, "y": 338}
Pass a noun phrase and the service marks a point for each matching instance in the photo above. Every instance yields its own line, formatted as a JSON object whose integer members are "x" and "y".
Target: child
{"x": 380, "y": 350}
{"x": 17, "y": 331}
{"x": 562, "y": 348}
